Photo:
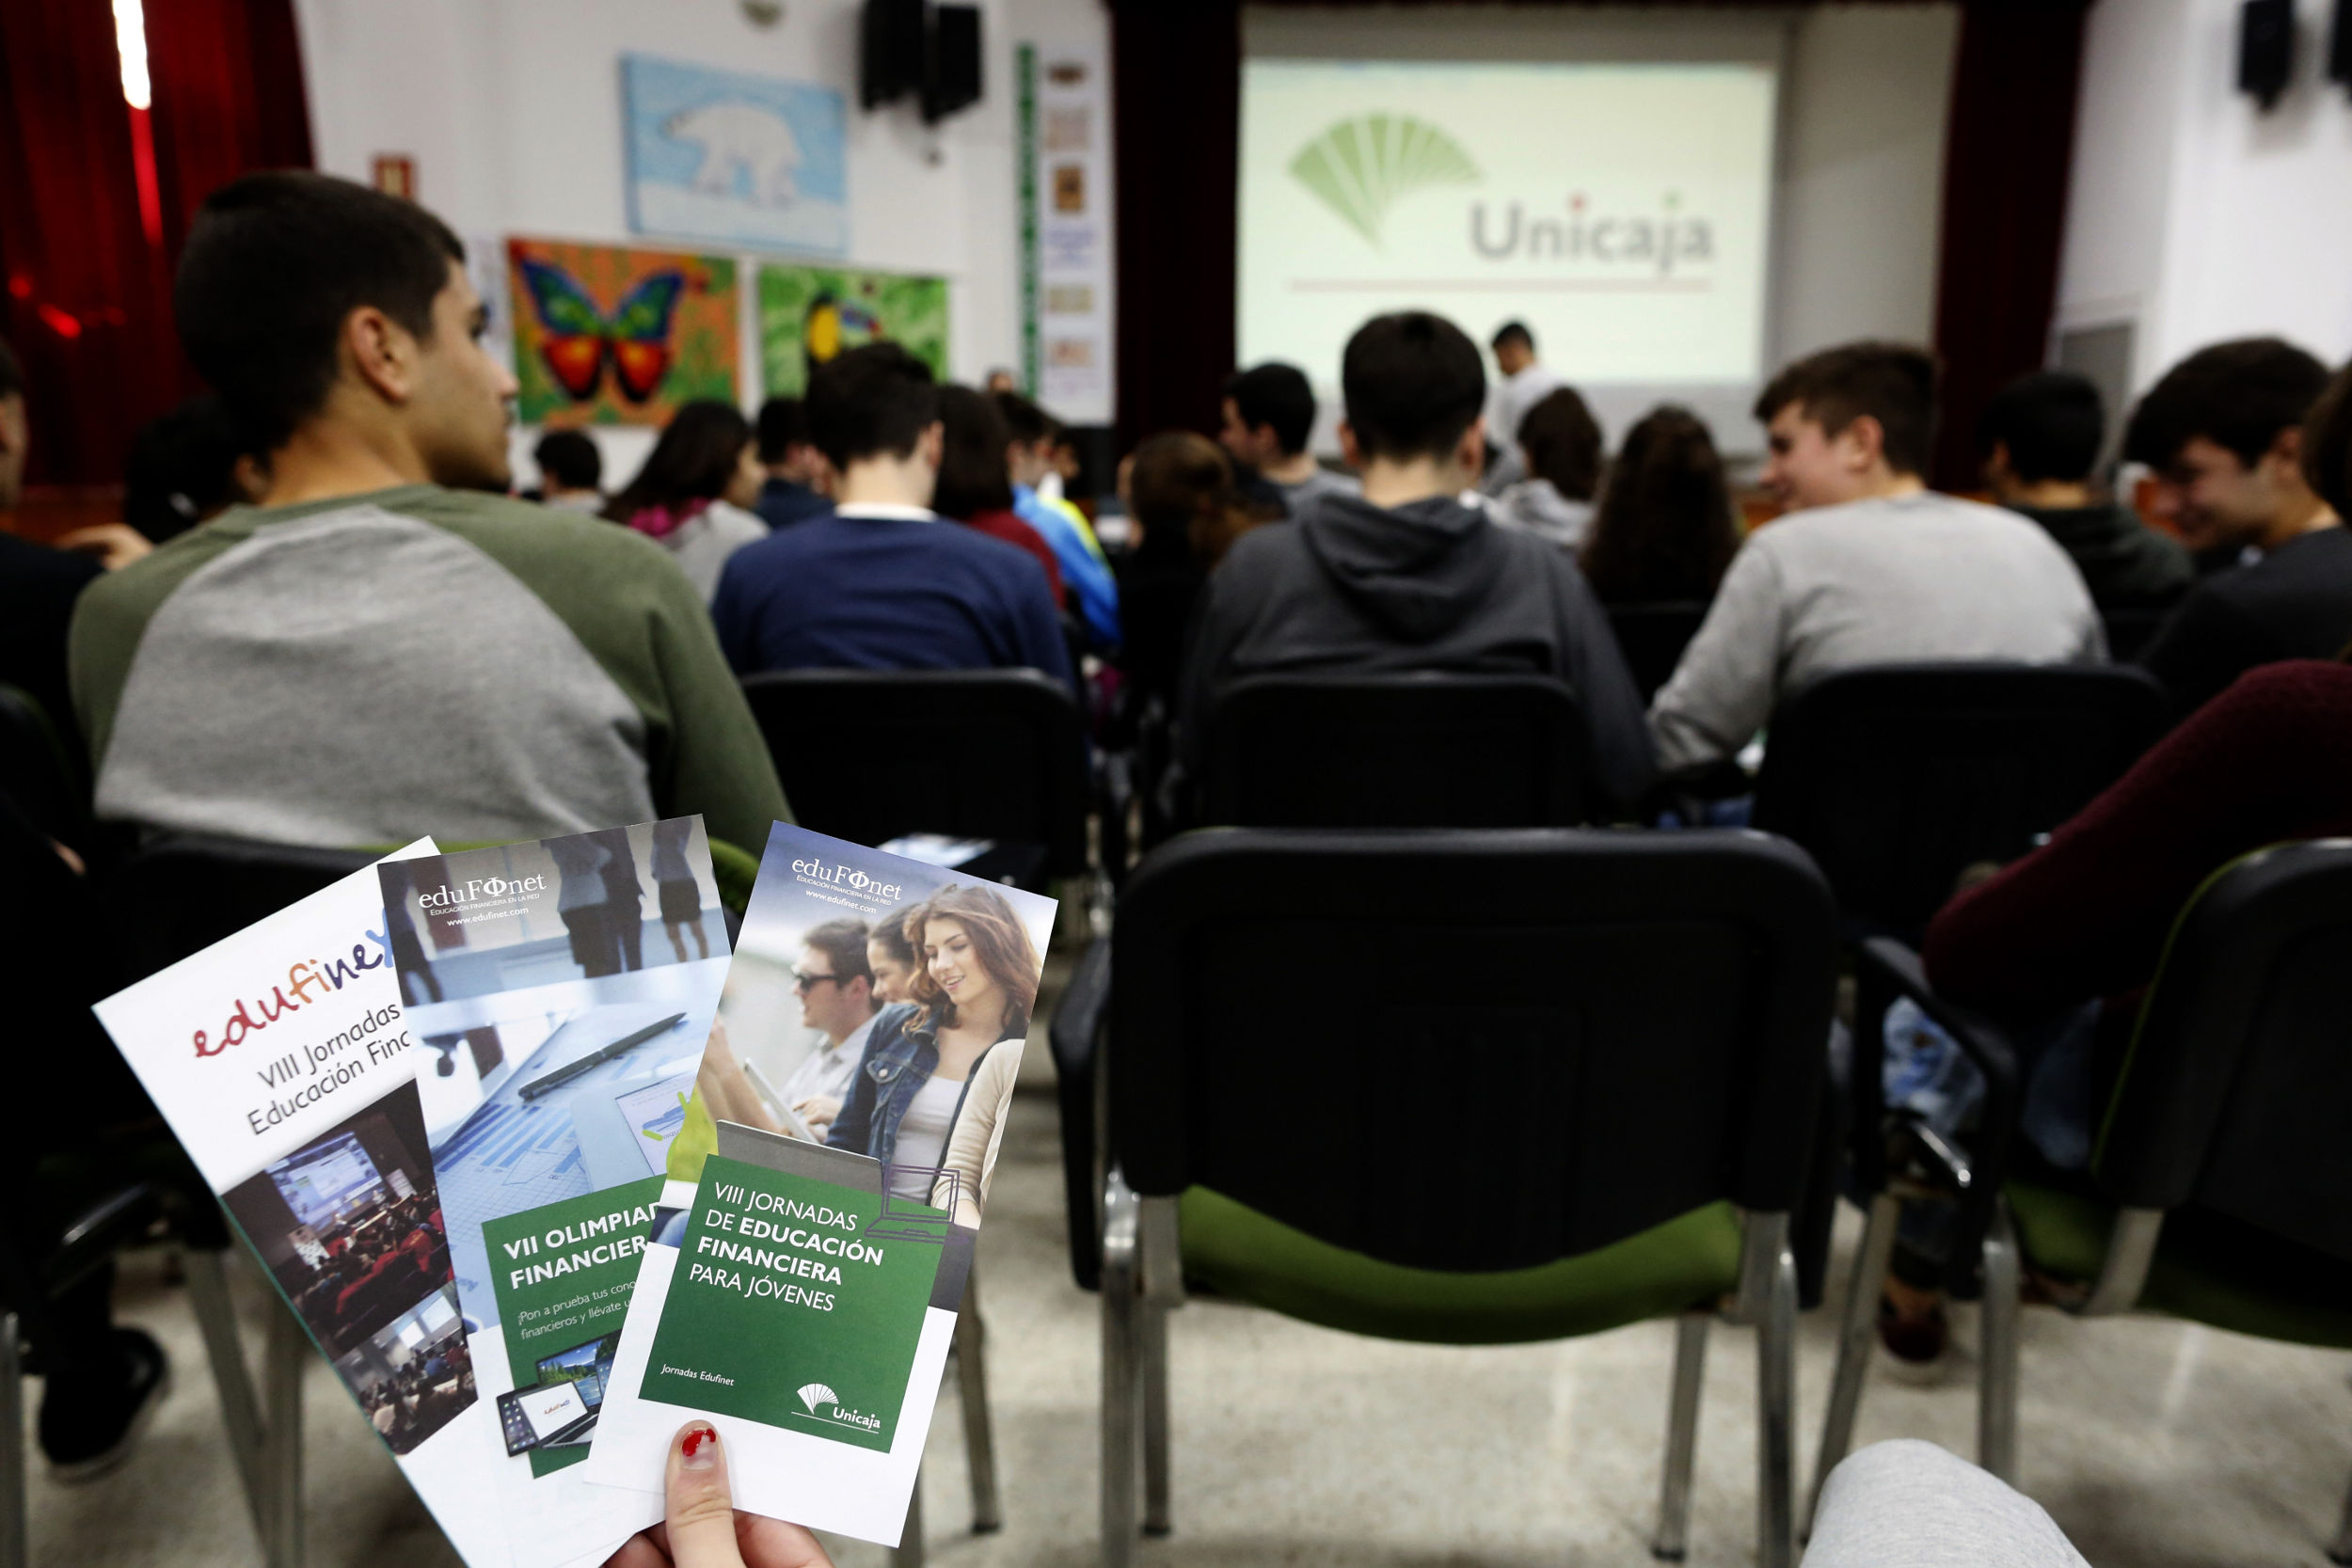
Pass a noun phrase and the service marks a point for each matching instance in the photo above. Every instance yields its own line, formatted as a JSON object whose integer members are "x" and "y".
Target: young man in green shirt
{"x": 388, "y": 646}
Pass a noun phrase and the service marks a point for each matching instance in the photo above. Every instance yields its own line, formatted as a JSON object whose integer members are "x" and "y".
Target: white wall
{"x": 2193, "y": 215}
{"x": 512, "y": 109}
{"x": 1858, "y": 194}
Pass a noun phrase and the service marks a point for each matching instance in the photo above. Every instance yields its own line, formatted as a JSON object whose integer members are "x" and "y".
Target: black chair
{"x": 869, "y": 754}
{"x": 1634, "y": 1023}
{"x": 1897, "y": 777}
{"x": 38, "y": 772}
{"x": 1393, "y": 751}
{"x": 2128, "y": 631}
{"x": 1652, "y": 637}
{"x": 175, "y": 896}
{"x": 2220, "y": 1187}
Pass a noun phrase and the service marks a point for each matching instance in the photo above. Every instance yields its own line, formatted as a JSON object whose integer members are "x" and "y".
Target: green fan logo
{"x": 1360, "y": 168}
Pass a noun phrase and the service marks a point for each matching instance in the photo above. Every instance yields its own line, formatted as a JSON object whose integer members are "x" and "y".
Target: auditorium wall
{"x": 512, "y": 111}
{"x": 2194, "y": 215}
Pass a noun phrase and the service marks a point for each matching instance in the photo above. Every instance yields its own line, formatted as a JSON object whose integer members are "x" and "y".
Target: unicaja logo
{"x": 1360, "y": 168}
{"x": 814, "y": 1394}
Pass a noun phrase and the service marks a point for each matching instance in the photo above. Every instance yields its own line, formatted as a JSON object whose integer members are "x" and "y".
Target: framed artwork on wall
{"x": 608, "y": 335}
{"x": 722, "y": 155}
{"x": 809, "y": 314}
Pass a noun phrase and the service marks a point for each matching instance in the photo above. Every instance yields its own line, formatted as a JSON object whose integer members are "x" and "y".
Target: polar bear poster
{"x": 719, "y": 155}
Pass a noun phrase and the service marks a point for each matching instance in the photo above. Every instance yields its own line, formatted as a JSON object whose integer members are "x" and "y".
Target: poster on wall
{"x": 809, "y": 314}
{"x": 719, "y": 155}
{"x": 605, "y": 335}
{"x": 1065, "y": 180}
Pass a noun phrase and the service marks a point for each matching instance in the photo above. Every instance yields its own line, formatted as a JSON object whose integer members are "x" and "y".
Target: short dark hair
{"x": 2328, "y": 445}
{"x": 973, "y": 475}
{"x": 183, "y": 469}
{"x": 1892, "y": 383}
{"x": 12, "y": 371}
{"x": 783, "y": 425}
{"x": 1512, "y": 332}
{"x": 570, "y": 458}
{"x": 843, "y": 943}
{"x": 1564, "y": 443}
{"x": 694, "y": 459}
{"x": 2239, "y": 395}
{"x": 1278, "y": 395}
{"x": 1028, "y": 423}
{"x": 872, "y": 400}
{"x": 1412, "y": 384}
{"x": 2052, "y": 422}
{"x": 274, "y": 265}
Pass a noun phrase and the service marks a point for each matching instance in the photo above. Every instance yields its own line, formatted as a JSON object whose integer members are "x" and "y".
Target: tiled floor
{"x": 2153, "y": 1443}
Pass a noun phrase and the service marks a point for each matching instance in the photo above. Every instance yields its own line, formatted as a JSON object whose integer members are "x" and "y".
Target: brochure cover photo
{"x": 805, "y": 1297}
{"x": 285, "y": 1063}
{"x": 560, "y": 993}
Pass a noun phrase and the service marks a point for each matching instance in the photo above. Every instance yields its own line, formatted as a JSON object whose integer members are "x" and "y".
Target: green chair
{"x": 2219, "y": 1190}
{"x": 1628, "y": 1031}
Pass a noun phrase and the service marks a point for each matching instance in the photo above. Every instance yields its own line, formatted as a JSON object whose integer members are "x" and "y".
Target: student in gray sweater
{"x": 1871, "y": 567}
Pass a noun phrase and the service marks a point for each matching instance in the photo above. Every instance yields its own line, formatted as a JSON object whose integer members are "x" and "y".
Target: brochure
{"x": 801, "y": 1296}
{"x": 561, "y": 1028}
{"x": 285, "y": 1062}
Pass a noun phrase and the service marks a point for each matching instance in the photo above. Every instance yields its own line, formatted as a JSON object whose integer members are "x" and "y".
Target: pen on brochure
{"x": 563, "y": 1075}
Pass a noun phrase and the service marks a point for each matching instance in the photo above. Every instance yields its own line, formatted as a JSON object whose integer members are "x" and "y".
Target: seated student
{"x": 369, "y": 655}
{"x": 1406, "y": 577}
{"x": 1268, "y": 415}
{"x": 2222, "y": 430}
{"x": 1085, "y": 572}
{"x": 1665, "y": 530}
{"x": 1560, "y": 446}
{"x": 693, "y": 494}
{"x": 882, "y": 583}
{"x": 1520, "y": 382}
{"x": 1870, "y": 568}
{"x": 39, "y": 585}
{"x": 571, "y": 470}
{"x": 1181, "y": 506}
{"x": 974, "y": 485}
{"x": 186, "y": 467}
{"x": 800, "y": 482}
{"x": 2037, "y": 441}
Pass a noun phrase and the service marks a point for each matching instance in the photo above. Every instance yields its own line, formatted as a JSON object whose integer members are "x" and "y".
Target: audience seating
{"x": 37, "y": 772}
{"x": 1652, "y": 637}
{"x": 2128, "y": 631}
{"x": 1895, "y": 778}
{"x": 1393, "y": 751}
{"x": 2220, "y": 1188}
{"x": 869, "y": 754}
{"x": 1642, "y": 1109}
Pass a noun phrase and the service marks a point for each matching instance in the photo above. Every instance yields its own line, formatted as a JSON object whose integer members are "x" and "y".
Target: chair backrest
{"x": 1652, "y": 637}
{"x": 1470, "y": 1049}
{"x": 2238, "y": 1087}
{"x": 869, "y": 754}
{"x": 181, "y": 894}
{"x": 35, "y": 770}
{"x": 1897, "y": 777}
{"x": 1393, "y": 751}
{"x": 2128, "y": 631}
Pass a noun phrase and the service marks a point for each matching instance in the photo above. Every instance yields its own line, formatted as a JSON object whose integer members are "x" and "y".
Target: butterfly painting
{"x": 667, "y": 337}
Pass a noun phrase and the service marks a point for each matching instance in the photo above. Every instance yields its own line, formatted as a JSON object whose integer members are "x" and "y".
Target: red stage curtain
{"x": 88, "y": 301}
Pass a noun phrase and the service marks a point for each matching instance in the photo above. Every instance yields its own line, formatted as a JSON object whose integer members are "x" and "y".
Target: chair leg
{"x": 287, "y": 1356}
{"x": 1151, "y": 1332}
{"x": 2341, "y": 1550}
{"x": 909, "y": 1551}
{"x": 1682, "y": 1437}
{"x": 1854, "y": 1339}
{"x": 979, "y": 1437}
{"x": 1121, "y": 1303}
{"x": 240, "y": 1412}
{"x": 1997, "y": 1398}
{"x": 15, "y": 1523}
{"x": 1776, "y": 1395}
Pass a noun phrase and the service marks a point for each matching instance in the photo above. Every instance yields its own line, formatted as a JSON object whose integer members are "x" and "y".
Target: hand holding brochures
{"x": 701, "y": 1527}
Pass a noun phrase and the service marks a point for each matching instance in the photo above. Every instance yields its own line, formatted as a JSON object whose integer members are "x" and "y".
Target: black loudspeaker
{"x": 890, "y": 50}
{"x": 2266, "y": 48}
{"x": 2340, "y": 45}
{"x": 952, "y": 79}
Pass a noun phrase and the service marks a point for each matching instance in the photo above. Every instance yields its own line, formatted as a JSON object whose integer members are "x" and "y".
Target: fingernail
{"x": 699, "y": 1448}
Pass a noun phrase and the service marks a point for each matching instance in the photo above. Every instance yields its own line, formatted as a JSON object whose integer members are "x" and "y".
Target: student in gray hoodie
{"x": 1405, "y": 578}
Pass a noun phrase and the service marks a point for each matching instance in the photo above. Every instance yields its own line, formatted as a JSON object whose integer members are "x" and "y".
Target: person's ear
{"x": 931, "y": 444}
{"x": 381, "y": 352}
{"x": 1349, "y": 449}
{"x": 2285, "y": 456}
{"x": 1864, "y": 440}
{"x": 1997, "y": 466}
{"x": 1470, "y": 451}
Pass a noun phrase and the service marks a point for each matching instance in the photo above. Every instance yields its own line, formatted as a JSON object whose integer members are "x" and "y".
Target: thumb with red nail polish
{"x": 702, "y": 1528}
